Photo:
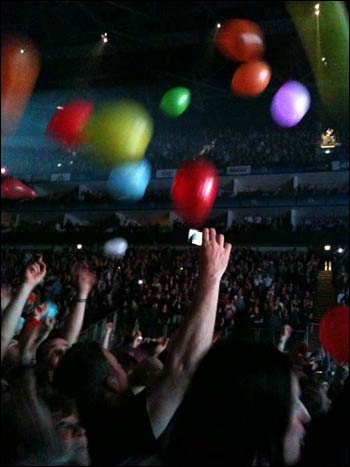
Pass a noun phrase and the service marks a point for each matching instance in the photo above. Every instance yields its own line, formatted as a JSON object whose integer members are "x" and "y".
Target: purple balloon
{"x": 290, "y": 104}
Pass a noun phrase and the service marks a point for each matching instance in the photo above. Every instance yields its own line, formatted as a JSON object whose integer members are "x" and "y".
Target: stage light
{"x": 218, "y": 25}
{"x": 79, "y": 246}
{"x": 327, "y": 247}
{"x": 59, "y": 165}
{"x": 140, "y": 282}
{"x": 22, "y": 51}
{"x": 3, "y": 170}
{"x": 340, "y": 250}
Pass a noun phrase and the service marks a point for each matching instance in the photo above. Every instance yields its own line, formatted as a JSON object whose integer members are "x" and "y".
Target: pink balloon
{"x": 12, "y": 188}
{"x": 194, "y": 191}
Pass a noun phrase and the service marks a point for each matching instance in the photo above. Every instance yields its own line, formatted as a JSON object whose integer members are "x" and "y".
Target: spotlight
{"x": 317, "y": 12}
{"x": 59, "y": 107}
{"x": 59, "y": 164}
{"x": 323, "y": 59}
{"x": 327, "y": 247}
{"x": 317, "y": 6}
{"x": 3, "y": 170}
{"x": 340, "y": 250}
{"x": 79, "y": 246}
{"x": 140, "y": 282}
{"x": 22, "y": 51}
{"x": 327, "y": 151}
{"x": 218, "y": 25}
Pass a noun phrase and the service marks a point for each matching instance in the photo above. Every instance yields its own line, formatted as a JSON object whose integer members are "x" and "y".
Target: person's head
{"x": 71, "y": 435}
{"x": 92, "y": 376}
{"x": 243, "y": 406}
{"x": 50, "y": 352}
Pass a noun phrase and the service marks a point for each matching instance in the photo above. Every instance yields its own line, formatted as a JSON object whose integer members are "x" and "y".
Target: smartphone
{"x": 195, "y": 237}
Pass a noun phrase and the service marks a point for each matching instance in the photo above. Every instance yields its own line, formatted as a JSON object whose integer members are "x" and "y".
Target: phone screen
{"x": 195, "y": 237}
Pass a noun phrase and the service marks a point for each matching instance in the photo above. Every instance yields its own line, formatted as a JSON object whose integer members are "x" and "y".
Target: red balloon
{"x": 11, "y": 188}
{"x": 194, "y": 191}
{"x": 67, "y": 125}
{"x": 251, "y": 79}
{"x": 20, "y": 66}
{"x": 334, "y": 333}
{"x": 240, "y": 40}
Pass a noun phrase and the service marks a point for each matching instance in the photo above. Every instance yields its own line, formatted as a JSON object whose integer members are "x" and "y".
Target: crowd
{"x": 188, "y": 398}
{"x": 159, "y": 230}
{"x": 341, "y": 276}
{"x": 169, "y": 147}
{"x": 155, "y": 287}
{"x": 262, "y": 147}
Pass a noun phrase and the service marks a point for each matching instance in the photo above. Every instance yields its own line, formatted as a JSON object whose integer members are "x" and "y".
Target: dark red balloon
{"x": 67, "y": 125}
{"x": 12, "y": 188}
{"x": 240, "y": 40}
{"x": 334, "y": 333}
{"x": 194, "y": 191}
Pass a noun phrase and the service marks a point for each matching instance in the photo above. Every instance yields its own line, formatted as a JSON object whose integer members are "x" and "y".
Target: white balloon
{"x": 115, "y": 248}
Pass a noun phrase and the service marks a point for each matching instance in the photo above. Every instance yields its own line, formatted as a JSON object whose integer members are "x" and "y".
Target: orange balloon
{"x": 251, "y": 79}
{"x": 20, "y": 66}
{"x": 240, "y": 40}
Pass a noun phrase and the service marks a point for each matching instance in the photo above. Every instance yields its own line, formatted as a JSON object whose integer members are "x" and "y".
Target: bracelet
{"x": 82, "y": 300}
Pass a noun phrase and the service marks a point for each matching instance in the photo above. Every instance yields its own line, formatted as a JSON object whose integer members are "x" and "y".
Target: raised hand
{"x": 214, "y": 255}
{"x": 39, "y": 311}
{"x": 85, "y": 278}
{"x": 35, "y": 273}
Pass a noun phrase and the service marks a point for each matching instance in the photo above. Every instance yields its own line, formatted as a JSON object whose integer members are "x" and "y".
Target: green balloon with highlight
{"x": 175, "y": 101}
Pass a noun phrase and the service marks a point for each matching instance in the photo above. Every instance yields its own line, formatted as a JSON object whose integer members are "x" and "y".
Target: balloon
{"x": 240, "y": 40}
{"x": 251, "y": 79}
{"x": 11, "y": 188}
{"x": 67, "y": 125}
{"x": 51, "y": 311}
{"x": 115, "y": 248}
{"x": 326, "y": 42}
{"x": 20, "y": 325}
{"x": 194, "y": 191}
{"x": 334, "y": 333}
{"x": 175, "y": 101}
{"x": 129, "y": 182}
{"x": 20, "y": 66}
{"x": 120, "y": 132}
{"x": 290, "y": 103}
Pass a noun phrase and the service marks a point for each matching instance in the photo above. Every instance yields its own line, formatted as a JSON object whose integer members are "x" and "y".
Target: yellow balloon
{"x": 120, "y": 132}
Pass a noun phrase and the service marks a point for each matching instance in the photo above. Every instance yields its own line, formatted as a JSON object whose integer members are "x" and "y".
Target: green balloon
{"x": 175, "y": 101}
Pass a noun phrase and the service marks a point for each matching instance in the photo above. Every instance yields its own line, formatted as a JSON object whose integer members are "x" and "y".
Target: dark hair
{"x": 237, "y": 409}
{"x": 60, "y": 403}
{"x": 82, "y": 374}
{"x": 41, "y": 350}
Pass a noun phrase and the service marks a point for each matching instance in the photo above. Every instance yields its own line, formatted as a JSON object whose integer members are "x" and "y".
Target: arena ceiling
{"x": 148, "y": 42}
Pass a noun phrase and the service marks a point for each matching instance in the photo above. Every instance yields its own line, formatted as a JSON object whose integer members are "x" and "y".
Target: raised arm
{"x": 287, "y": 332}
{"x": 34, "y": 274}
{"x": 85, "y": 279}
{"x": 108, "y": 332}
{"x": 194, "y": 337}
